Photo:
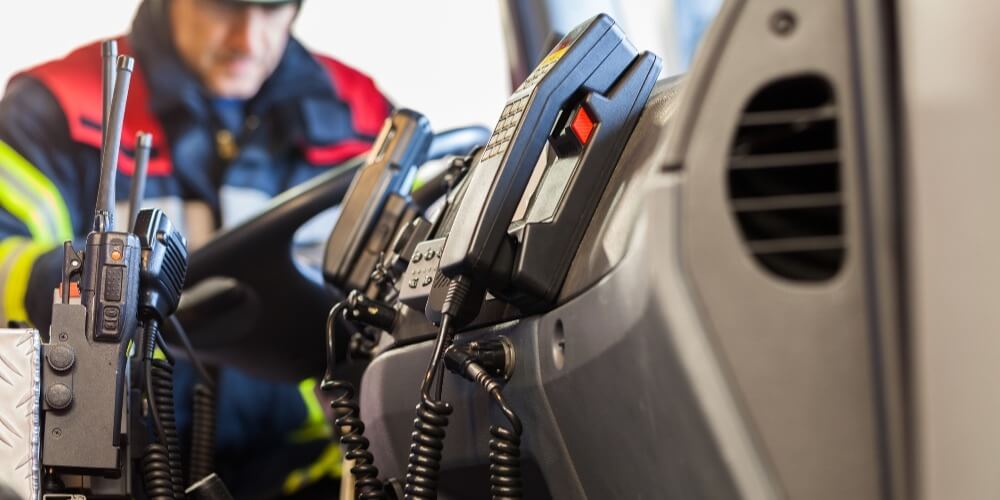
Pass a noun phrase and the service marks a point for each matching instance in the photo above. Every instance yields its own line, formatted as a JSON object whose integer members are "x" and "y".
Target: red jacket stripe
{"x": 369, "y": 108}
{"x": 75, "y": 81}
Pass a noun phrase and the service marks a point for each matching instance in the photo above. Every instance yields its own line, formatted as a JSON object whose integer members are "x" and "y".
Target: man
{"x": 240, "y": 111}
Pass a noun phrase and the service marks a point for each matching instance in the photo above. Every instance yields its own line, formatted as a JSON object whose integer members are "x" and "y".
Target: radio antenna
{"x": 109, "y": 52}
{"x": 104, "y": 218}
{"x": 143, "y": 143}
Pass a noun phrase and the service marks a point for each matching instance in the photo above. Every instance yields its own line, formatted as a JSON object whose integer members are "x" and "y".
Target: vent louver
{"x": 784, "y": 179}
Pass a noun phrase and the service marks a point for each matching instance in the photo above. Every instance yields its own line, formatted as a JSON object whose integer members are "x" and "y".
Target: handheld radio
{"x": 84, "y": 377}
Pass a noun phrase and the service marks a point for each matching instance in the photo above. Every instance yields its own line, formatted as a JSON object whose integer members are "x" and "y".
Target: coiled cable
{"x": 159, "y": 375}
{"x": 424, "y": 463}
{"x": 201, "y": 461}
{"x": 505, "y": 463}
{"x": 505, "y": 442}
{"x": 202, "y": 457}
{"x": 366, "y": 482}
{"x": 348, "y": 421}
{"x": 156, "y": 474}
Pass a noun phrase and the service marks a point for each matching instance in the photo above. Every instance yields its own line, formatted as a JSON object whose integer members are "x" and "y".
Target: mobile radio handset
{"x": 589, "y": 58}
{"x": 390, "y": 168}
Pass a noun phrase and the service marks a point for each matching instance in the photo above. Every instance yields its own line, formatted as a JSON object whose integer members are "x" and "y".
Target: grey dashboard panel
{"x": 808, "y": 359}
{"x": 19, "y": 411}
{"x": 613, "y": 401}
{"x": 617, "y": 395}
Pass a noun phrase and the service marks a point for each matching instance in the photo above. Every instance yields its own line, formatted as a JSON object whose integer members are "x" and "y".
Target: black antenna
{"x": 109, "y": 51}
{"x": 143, "y": 143}
{"x": 104, "y": 212}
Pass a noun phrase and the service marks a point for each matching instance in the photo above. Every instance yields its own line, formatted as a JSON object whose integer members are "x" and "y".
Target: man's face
{"x": 232, "y": 48}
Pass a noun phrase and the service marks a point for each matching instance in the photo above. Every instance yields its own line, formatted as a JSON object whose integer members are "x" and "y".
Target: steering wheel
{"x": 250, "y": 304}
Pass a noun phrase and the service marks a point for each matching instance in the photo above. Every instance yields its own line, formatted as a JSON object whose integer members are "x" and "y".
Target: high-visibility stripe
{"x": 329, "y": 464}
{"x": 315, "y": 425}
{"x": 10, "y": 248}
{"x": 32, "y": 198}
{"x": 17, "y": 255}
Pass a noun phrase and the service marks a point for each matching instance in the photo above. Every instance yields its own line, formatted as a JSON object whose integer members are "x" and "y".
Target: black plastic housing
{"x": 590, "y": 58}
{"x": 547, "y": 235}
{"x": 110, "y": 285}
{"x": 85, "y": 435}
{"x": 390, "y": 168}
{"x": 163, "y": 264}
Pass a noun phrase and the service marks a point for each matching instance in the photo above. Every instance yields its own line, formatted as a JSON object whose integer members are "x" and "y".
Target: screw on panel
{"x": 783, "y": 22}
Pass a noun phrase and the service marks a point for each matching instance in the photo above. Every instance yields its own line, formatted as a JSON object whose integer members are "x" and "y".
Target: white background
{"x": 444, "y": 58}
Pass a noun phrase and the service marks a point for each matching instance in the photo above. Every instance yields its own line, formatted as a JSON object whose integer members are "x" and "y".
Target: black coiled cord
{"x": 162, "y": 401}
{"x": 367, "y": 485}
{"x": 202, "y": 458}
{"x": 156, "y": 473}
{"x": 505, "y": 463}
{"x": 201, "y": 461}
{"x": 424, "y": 465}
{"x": 160, "y": 391}
{"x": 505, "y": 442}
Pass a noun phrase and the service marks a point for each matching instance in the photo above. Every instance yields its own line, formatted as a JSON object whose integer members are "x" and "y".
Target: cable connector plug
{"x": 370, "y": 312}
{"x": 462, "y": 301}
{"x": 505, "y": 442}
{"x": 494, "y": 358}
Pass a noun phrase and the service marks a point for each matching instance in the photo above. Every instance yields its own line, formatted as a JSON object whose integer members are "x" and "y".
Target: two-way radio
{"x": 84, "y": 376}
{"x": 376, "y": 207}
{"x": 522, "y": 214}
{"x": 513, "y": 226}
{"x": 95, "y": 394}
{"x": 521, "y": 218}
{"x": 376, "y": 200}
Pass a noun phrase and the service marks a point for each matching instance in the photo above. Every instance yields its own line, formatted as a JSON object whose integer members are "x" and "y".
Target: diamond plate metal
{"x": 19, "y": 411}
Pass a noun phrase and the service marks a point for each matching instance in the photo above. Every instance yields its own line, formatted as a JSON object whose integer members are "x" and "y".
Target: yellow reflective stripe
{"x": 314, "y": 412}
{"x": 31, "y": 197}
{"x": 417, "y": 184}
{"x": 327, "y": 465}
{"x": 20, "y": 205}
{"x": 315, "y": 425}
{"x": 17, "y": 255}
{"x": 9, "y": 249}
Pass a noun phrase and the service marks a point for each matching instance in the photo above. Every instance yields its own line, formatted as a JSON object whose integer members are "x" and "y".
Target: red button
{"x": 582, "y": 125}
